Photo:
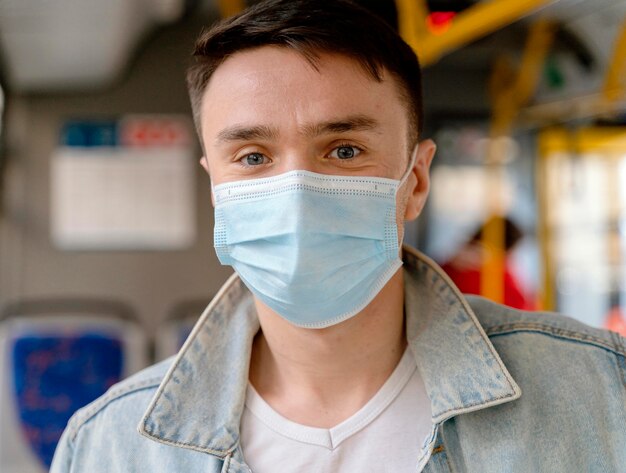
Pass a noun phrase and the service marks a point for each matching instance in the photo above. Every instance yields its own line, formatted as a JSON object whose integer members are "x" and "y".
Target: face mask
{"x": 315, "y": 248}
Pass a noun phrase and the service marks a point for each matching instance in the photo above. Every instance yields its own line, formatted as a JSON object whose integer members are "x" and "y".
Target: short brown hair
{"x": 310, "y": 27}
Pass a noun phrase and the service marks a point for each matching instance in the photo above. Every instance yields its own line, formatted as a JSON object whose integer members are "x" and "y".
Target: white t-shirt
{"x": 385, "y": 435}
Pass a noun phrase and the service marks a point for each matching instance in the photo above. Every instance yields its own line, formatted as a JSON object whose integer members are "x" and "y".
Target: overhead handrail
{"x": 469, "y": 25}
{"x": 610, "y": 100}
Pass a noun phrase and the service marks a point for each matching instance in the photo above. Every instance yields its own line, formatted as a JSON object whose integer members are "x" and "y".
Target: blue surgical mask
{"x": 315, "y": 248}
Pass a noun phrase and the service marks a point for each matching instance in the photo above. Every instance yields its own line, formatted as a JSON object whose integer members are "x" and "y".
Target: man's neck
{"x": 320, "y": 377}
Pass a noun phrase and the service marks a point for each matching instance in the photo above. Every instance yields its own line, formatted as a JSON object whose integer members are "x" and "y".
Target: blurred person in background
{"x": 465, "y": 267}
{"x": 331, "y": 349}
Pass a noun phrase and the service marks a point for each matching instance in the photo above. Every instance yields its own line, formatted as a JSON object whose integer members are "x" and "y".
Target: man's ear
{"x": 420, "y": 182}
{"x": 205, "y": 164}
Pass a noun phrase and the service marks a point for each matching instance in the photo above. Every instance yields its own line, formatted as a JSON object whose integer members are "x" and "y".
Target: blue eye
{"x": 253, "y": 159}
{"x": 345, "y": 152}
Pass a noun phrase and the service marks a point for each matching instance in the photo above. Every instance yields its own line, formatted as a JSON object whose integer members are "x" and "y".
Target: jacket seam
{"x": 226, "y": 464}
{"x": 621, "y": 357}
{"x": 174, "y": 443}
{"x": 621, "y": 363}
{"x": 90, "y": 412}
{"x": 556, "y": 332}
{"x": 444, "y": 451}
{"x": 448, "y": 462}
{"x": 469, "y": 406}
{"x": 620, "y": 342}
{"x": 231, "y": 460}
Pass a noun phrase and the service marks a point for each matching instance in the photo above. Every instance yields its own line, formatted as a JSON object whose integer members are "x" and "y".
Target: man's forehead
{"x": 282, "y": 79}
{"x": 249, "y": 65}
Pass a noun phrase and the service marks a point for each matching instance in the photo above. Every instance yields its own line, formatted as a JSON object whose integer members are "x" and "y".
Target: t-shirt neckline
{"x": 333, "y": 437}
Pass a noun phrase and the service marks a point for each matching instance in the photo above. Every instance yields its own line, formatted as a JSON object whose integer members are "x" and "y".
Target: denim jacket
{"x": 510, "y": 391}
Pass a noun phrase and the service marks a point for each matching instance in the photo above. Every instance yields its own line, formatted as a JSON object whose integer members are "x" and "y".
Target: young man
{"x": 324, "y": 353}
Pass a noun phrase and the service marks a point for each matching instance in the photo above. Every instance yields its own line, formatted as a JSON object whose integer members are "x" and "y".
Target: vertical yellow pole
{"x": 510, "y": 90}
{"x": 412, "y": 16}
{"x": 615, "y": 80}
{"x": 494, "y": 259}
{"x": 544, "y": 227}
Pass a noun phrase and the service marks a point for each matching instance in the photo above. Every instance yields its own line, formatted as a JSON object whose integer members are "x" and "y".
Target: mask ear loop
{"x": 407, "y": 173}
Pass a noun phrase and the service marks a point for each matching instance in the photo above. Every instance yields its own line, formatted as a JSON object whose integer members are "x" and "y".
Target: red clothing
{"x": 616, "y": 321}
{"x": 468, "y": 281}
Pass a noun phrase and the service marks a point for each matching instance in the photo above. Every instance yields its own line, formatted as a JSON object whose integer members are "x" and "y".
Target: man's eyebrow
{"x": 246, "y": 133}
{"x": 263, "y": 132}
{"x": 352, "y": 123}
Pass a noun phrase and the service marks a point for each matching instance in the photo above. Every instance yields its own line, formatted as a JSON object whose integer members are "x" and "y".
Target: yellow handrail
{"x": 610, "y": 100}
{"x": 469, "y": 25}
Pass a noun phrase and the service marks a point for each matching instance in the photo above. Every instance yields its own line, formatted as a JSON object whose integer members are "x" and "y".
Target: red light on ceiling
{"x": 438, "y": 22}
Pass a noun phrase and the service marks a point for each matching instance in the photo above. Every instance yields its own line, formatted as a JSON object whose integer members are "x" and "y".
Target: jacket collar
{"x": 201, "y": 399}
{"x": 459, "y": 365}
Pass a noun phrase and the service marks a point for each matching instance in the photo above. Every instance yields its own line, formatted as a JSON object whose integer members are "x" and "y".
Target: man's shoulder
{"x": 549, "y": 353}
{"x": 573, "y": 392}
{"x": 128, "y": 395}
{"x": 499, "y": 320}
